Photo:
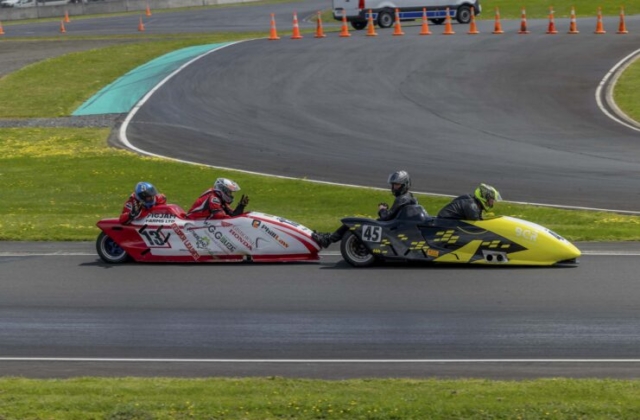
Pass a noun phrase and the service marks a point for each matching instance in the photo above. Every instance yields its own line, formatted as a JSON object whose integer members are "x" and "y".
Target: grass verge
{"x": 58, "y": 182}
{"x": 277, "y": 398}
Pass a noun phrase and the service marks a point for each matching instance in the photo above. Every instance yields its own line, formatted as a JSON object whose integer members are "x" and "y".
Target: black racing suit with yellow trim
{"x": 464, "y": 207}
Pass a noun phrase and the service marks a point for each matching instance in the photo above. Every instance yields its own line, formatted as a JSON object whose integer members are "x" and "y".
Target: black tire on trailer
{"x": 437, "y": 21}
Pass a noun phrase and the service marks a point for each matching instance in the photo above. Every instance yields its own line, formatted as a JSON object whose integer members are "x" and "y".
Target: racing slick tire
{"x": 109, "y": 251}
{"x": 355, "y": 252}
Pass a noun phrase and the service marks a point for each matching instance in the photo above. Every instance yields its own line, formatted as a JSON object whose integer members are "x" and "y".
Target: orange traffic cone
{"x": 344, "y": 31}
{"x": 599, "y": 25}
{"x": 573, "y": 25}
{"x": 319, "y": 31}
{"x": 523, "y": 23}
{"x": 622, "y": 28}
{"x": 62, "y": 29}
{"x": 425, "y": 24}
{"x": 296, "y": 28}
{"x": 371, "y": 27}
{"x": 140, "y": 26}
{"x": 473, "y": 28}
{"x": 448, "y": 29}
{"x": 1, "y": 29}
{"x": 552, "y": 23}
{"x": 66, "y": 17}
{"x": 497, "y": 27}
{"x": 397, "y": 29}
{"x": 273, "y": 33}
{"x": 148, "y": 11}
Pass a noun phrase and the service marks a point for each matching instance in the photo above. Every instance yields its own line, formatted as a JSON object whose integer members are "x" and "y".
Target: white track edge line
{"x": 615, "y": 73}
{"x": 323, "y": 361}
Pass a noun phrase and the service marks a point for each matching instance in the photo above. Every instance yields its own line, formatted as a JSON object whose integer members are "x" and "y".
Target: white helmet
{"x": 226, "y": 187}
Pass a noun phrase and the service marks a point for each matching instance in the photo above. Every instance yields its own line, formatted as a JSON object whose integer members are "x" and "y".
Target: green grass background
{"x": 279, "y": 398}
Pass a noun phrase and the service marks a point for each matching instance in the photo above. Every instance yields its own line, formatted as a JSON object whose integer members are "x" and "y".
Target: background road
{"x": 518, "y": 112}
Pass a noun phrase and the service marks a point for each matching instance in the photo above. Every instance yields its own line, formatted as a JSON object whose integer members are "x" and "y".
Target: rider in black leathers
{"x": 400, "y": 183}
{"x": 470, "y": 206}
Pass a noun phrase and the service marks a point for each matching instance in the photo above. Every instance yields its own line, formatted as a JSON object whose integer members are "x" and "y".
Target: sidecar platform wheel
{"x": 355, "y": 252}
{"x": 109, "y": 251}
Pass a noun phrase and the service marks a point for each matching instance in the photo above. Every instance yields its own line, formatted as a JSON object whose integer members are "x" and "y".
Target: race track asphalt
{"x": 65, "y": 313}
{"x": 518, "y": 112}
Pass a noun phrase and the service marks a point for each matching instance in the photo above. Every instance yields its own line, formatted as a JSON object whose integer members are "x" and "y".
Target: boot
{"x": 322, "y": 239}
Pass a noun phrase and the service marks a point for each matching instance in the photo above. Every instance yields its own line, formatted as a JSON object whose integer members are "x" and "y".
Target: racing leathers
{"x": 464, "y": 207}
{"x": 386, "y": 214}
{"x": 210, "y": 205}
{"x": 134, "y": 209}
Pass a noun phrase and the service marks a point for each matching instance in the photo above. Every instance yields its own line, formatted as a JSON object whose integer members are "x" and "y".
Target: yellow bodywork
{"x": 543, "y": 247}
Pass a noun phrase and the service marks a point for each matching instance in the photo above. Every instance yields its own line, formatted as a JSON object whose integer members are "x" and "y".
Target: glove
{"x": 135, "y": 211}
{"x": 383, "y": 206}
{"x": 244, "y": 200}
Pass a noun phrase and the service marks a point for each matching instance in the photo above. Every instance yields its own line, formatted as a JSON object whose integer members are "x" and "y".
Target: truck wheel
{"x": 358, "y": 25}
{"x": 437, "y": 21}
{"x": 464, "y": 14}
{"x": 355, "y": 252}
{"x": 385, "y": 19}
{"x": 109, "y": 250}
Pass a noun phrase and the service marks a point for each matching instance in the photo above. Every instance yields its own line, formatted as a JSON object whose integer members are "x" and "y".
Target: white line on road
{"x": 324, "y": 361}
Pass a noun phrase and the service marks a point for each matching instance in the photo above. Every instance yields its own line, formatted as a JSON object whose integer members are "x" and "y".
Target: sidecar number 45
{"x": 371, "y": 233}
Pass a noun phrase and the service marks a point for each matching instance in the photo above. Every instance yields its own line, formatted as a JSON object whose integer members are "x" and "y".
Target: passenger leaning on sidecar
{"x": 400, "y": 182}
{"x": 143, "y": 198}
{"x": 470, "y": 206}
{"x": 215, "y": 202}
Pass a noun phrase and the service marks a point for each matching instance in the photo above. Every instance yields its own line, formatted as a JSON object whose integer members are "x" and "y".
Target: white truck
{"x": 383, "y": 11}
{"x": 8, "y": 3}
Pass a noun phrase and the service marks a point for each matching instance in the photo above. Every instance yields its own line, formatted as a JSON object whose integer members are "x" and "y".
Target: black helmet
{"x": 402, "y": 178}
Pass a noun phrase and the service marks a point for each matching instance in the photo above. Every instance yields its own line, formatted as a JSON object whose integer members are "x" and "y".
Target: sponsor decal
{"x": 255, "y": 223}
{"x": 221, "y": 238}
{"x": 160, "y": 218}
{"x": 185, "y": 241}
{"x": 529, "y": 235}
{"x": 433, "y": 253}
{"x": 202, "y": 242}
{"x": 242, "y": 238}
{"x": 274, "y": 235}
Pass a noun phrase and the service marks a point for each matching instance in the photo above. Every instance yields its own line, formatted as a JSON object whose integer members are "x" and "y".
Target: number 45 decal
{"x": 371, "y": 233}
